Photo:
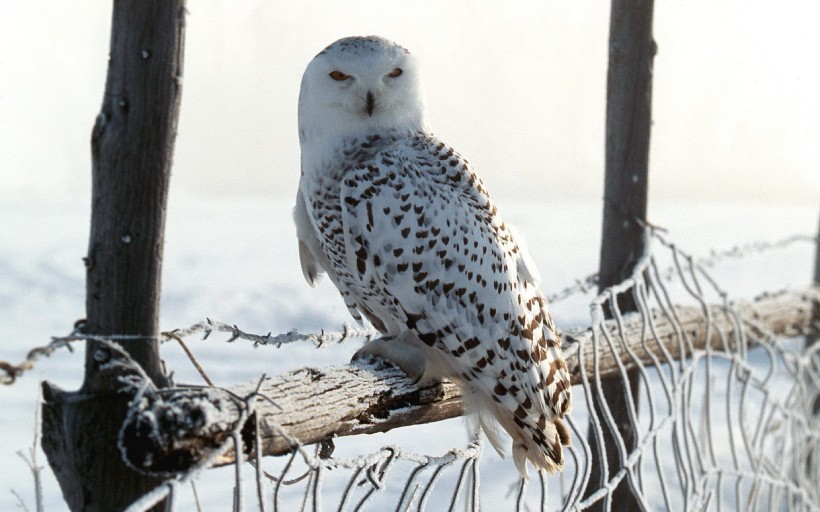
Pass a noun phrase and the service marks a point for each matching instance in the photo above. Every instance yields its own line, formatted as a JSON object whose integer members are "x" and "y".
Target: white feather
{"x": 408, "y": 234}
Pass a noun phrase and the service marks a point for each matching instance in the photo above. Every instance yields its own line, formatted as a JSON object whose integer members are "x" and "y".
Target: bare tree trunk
{"x": 817, "y": 258}
{"x": 812, "y": 339}
{"x": 132, "y": 146}
{"x": 628, "y": 119}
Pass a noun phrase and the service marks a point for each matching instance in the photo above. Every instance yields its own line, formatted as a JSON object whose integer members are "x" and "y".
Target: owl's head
{"x": 360, "y": 85}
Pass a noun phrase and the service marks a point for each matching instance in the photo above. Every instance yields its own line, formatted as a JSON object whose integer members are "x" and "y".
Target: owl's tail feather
{"x": 542, "y": 447}
{"x": 538, "y": 440}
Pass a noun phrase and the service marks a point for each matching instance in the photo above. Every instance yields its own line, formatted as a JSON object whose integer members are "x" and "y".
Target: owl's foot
{"x": 401, "y": 352}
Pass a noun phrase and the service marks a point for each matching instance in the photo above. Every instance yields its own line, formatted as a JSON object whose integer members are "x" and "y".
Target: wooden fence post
{"x": 628, "y": 119}
{"x": 132, "y": 146}
{"x": 817, "y": 258}
{"x": 812, "y": 339}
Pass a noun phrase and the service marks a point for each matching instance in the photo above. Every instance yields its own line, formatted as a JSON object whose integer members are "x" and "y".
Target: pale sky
{"x": 517, "y": 87}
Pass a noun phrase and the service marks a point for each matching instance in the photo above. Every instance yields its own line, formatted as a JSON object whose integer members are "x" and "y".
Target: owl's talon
{"x": 395, "y": 351}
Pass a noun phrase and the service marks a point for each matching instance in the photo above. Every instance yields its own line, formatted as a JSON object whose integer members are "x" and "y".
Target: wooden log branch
{"x": 312, "y": 405}
{"x": 782, "y": 315}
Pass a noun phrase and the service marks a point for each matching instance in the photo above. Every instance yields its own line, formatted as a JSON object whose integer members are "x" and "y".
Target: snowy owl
{"x": 407, "y": 232}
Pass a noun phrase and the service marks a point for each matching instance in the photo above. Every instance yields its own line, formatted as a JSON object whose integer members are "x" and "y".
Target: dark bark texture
{"x": 811, "y": 340}
{"x": 628, "y": 121}
{"x": 132, "y": 147}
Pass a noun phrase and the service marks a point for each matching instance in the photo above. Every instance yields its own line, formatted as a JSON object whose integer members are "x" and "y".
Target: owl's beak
{"x": 371, "y": 102}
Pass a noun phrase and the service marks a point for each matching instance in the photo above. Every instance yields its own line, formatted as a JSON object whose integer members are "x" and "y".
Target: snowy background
{"x": 734, "y": 159}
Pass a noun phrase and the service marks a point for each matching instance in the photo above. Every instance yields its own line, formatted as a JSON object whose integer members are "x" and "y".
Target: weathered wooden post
{"x": 132, "y": 146}
{"x": 628, "y": 119}
{"x": 811, "y": 340}
{"x": 817, "y": 258}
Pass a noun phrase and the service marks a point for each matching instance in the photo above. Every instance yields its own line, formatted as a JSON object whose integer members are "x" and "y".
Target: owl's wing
{"x": 308, "y": 243}
{"x": 428, "y": 246}
{"x": 312, "y": 257}
{"x": 526, "y": 266}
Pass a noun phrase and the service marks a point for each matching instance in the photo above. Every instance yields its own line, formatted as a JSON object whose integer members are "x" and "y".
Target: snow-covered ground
{"x": 234, "y": 260}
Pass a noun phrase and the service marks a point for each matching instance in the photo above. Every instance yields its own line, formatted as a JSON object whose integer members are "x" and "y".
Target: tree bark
{"x": 628, "y": 119}
{"x": 132, "y": 146}
{"x": 812, "y": 339}
{"x": 817, "y": 257}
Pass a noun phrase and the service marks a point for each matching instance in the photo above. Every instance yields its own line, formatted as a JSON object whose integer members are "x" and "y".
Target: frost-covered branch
{"x": 668, "y": 336}
{"x": 312, "y": 405}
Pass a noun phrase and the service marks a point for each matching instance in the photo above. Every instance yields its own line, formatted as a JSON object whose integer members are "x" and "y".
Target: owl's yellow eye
{"x": 338, "y": 76}
{"x": 396, "y": 72}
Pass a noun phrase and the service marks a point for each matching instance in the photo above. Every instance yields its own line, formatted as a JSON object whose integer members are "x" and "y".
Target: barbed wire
{"x": 13, "y": 371}
{"x": 589, "y": 283}
{"x": 320, "y": 339}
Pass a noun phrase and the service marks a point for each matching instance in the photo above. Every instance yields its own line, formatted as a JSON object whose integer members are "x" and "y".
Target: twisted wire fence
{"x": 725, "y": 419}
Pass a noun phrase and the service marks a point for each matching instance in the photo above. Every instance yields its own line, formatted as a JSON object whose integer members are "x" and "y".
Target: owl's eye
{"x": 396, "y": 72}
{"x": 338, "y": 76}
